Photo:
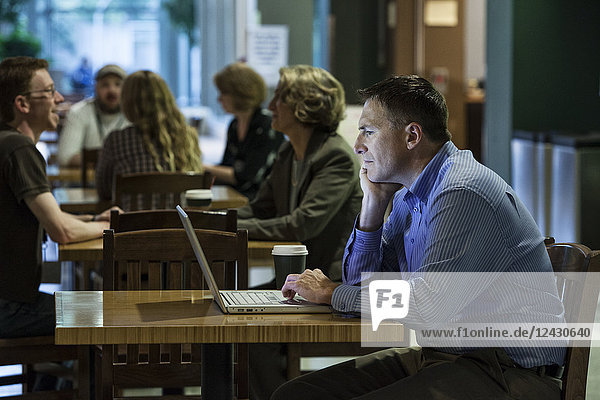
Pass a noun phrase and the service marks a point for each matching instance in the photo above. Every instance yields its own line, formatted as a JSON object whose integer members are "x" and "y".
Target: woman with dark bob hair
{"x": 159, "y": 140}
{"x": 251, "y": 143}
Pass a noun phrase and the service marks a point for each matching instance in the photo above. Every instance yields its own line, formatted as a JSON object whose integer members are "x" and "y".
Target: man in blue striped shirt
{"x": 450, "y": 214}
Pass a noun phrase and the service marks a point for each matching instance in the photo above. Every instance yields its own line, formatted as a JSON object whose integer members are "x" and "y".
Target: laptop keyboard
{"x": 252, "y": 298}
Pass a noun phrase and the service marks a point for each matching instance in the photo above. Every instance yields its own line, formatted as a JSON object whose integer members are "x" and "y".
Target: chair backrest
{"x": 159, "y": 259}
{"x": 164, "y": 219}
{"x": 89, "y": 159}
{"x": 166, "y": 257}
{"x": 156, "y": 190}
{"x": 577, "y": 269}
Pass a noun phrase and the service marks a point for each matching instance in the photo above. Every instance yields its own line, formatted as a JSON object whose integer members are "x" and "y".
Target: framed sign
{"x": 268, "y": 50}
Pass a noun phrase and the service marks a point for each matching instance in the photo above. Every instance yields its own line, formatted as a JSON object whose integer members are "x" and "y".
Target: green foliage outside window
{"x": 182, "y": 14}
{"x": 19, "y": 42}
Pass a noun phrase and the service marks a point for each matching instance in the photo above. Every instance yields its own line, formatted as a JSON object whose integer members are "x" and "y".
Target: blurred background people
{"x": 251, "y": 143}
{"x": 158, "y": 140}
{"x": 81, "y": 79}
{"x": 89, "y": 122}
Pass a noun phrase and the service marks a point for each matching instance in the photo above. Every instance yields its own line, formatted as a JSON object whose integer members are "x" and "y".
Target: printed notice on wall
{"x": 268, "y": 50}
{"x": 441, "y": 13}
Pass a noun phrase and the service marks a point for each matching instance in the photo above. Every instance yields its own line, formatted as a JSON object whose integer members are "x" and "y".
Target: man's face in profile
{"x": 108, "y": 93}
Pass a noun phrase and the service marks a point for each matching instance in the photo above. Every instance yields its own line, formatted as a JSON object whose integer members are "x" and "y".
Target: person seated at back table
{"x": 159, "y": 140}
{"x": 251, "y": 143}
{"x": 28, "y": 106}
{"x": 452, "y": 215}
{"x": 89, "y": 122}
{"x": 312, "y": 194}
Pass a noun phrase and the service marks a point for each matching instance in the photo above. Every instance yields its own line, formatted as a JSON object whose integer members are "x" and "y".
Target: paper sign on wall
{"x": 268, "y": 50}
{"x": 441, "y": 13}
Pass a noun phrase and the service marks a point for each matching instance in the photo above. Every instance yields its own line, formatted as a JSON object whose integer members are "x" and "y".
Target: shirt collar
{"x": 6, "y": 127}
{"x": 426, "y": 179}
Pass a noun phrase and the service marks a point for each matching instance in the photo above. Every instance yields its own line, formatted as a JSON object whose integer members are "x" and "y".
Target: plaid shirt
{"x": 124, "y": 152}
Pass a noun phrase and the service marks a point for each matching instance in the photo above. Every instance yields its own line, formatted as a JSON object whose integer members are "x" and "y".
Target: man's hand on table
{"x": 313, "y": 285}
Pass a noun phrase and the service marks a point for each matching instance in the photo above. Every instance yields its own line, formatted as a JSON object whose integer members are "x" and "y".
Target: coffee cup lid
{"x": 289, "y": 250}
{"x": 198, "y": 194}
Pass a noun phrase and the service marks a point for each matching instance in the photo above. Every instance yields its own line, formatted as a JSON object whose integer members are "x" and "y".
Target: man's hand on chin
{"x": 313, "y": 285}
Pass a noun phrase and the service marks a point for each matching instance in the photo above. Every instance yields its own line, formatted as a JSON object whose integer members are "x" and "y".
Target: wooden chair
{"x": 156, "y": 190}
{"x": 577, "y": 269}
{"x": 89, "y": 159}
{"x": 156, "y": 219}
{"x": 167, "y": 258}
{"x": 41, "y": 349}
{"x": 161, "y": 219}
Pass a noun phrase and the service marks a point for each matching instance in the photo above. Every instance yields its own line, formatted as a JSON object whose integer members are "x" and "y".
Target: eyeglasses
{"x": 51, "y": 90}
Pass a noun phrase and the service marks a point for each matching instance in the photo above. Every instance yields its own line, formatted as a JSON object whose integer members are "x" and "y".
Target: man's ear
{"x": 22, "y": 104}
{"x": 414, "y": 135}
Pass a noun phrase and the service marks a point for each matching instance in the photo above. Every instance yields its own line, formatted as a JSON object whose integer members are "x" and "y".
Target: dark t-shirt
{"x": 22, "y": 174}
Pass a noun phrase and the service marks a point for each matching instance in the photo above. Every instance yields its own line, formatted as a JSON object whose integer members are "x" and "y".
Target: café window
{"x": 78, "y": 36}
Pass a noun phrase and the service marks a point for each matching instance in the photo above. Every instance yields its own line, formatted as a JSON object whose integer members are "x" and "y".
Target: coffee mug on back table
{"x": 288, "y": 259}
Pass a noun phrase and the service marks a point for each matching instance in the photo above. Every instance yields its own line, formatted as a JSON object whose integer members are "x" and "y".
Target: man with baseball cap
{"x": 90, "y": 121}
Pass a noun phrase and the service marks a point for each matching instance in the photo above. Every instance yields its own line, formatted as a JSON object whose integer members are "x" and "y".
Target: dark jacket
{"x": 329, "y": 198}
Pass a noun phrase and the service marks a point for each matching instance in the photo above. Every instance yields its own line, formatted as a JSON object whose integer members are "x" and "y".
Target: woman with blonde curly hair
{"x": 312, "y": 195}
{"x": 251, "y": 143}
{"x": 159, "y": 140}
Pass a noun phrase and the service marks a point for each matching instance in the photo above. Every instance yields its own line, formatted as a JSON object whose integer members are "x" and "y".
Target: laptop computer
{"x": 246, "y": 301}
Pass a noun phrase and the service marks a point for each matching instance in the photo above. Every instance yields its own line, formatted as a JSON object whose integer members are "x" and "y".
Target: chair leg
{"x": 84, "y": 376}
{"x": 293, "y": 360}
{"x": 242, "y": 378}
{"x": 29, "y": 375}
{"x": 104, "y": 376}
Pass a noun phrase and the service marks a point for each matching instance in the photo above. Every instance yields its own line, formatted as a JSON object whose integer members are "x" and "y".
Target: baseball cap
{"x": 111, "y": 69}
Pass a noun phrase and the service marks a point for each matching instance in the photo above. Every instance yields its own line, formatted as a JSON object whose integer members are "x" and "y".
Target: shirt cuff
{"x": 367, "y": 241}
{"x": 346, "y": 298}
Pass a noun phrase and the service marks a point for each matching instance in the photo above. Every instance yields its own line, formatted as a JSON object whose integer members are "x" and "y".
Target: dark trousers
{"x": 414, "y": 373}
{"x": 27, "y": 319}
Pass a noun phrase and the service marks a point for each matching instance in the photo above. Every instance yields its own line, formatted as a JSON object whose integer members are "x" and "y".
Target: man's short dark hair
{"x": 15, "y": 79}
{"x": 410, "y": 98}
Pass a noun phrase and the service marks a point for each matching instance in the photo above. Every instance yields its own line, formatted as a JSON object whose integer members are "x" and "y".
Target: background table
{"x": 91, "y": 250}
{"x": 87, "y": 254}
{"x": 58, "y": 176}
{"x": 80, "y": 200}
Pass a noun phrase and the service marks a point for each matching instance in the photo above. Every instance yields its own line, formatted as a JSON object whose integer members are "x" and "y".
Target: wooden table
{"x": 80, "y": 200}
{"x": 190, "y": 316}
{"x": 69, "y": 175}
{"x": 91, "y": 250}
{"x": 85, "y": 256}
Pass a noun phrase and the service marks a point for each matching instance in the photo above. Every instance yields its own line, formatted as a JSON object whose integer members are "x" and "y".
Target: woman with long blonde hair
{"x": 158, "y": 140}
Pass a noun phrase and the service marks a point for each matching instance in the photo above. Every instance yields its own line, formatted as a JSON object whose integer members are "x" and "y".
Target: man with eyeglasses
{"x": 28, "y": 106}
{"x": 90, "y": 121}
